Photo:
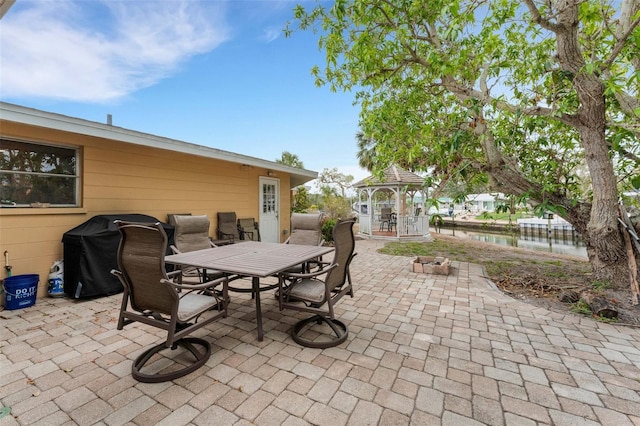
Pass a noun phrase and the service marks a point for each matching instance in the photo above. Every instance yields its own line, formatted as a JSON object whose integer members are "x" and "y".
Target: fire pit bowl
{"x": 431, "y": 265}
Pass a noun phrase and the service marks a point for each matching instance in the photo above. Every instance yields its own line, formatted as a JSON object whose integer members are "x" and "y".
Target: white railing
{"x": 403, "y": 226}
{"x": 363, "y": 222}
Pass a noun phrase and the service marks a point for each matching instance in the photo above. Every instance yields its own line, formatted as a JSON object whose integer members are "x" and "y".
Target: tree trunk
{"x": 599, "y": 304}
{"x": 603, "y": 237}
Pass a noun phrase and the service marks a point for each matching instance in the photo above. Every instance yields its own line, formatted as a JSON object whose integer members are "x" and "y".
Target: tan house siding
{"x": 120, "y": 177}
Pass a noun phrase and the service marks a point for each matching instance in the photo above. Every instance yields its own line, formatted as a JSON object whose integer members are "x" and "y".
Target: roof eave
{"x": 20, "y": 114}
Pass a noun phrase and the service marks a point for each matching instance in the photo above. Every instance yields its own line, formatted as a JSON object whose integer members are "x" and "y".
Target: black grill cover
{"x": 90, "y": 253}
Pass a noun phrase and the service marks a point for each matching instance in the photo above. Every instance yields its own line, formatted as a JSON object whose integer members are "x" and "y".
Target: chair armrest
{"x": 173, "y": 273}
{"x": 309, "y": 275}
{"x": 202, "y": 286}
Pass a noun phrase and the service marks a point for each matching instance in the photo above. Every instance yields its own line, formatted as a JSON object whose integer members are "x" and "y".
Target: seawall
{"x": 486, "y": 226}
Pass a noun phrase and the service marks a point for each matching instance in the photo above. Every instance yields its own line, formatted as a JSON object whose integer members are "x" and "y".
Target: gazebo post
{"x": 370, "y": 211}
{"x": 398, "y": 210}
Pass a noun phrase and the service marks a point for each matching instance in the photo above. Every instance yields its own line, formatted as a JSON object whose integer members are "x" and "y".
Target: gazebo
{"x": 410, "y": 220}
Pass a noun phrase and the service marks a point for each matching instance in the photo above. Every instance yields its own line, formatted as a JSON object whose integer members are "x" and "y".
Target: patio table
{"x": 251, "y": 259}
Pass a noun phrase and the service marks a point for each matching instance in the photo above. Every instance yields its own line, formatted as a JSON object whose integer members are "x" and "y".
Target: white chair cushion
{"x": 310, "y": 290}
{"x": 193, "y": 304}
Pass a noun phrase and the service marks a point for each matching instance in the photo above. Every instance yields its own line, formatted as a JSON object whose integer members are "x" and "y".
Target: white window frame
{"x": 76, "y": 176}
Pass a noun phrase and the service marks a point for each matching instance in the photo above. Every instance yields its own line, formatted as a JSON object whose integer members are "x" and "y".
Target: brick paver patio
{"x": 423, "y": 350}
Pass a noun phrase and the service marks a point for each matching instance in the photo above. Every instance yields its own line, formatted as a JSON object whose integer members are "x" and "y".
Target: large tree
{"x": 330, "y": 181}
{"x": 538, "y": 96}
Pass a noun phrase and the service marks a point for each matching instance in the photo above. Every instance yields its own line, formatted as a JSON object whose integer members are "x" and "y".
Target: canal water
{"x": 554, "y": 245}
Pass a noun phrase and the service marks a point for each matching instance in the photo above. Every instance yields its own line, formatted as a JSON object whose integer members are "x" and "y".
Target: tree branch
{"x": 620, "y": 43}
{"x": 465, "y": 93}
{"x": 390, "y": 22}
{"x": 570, "y": 119}
{"x": 483, "y": 81}
{"x": 626, "y": 154}
{"x": 538, "y": 19}
{"x": 633, "y": 128}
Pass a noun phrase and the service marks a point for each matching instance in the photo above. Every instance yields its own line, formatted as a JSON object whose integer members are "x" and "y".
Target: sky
{"x": 210, "y": 72}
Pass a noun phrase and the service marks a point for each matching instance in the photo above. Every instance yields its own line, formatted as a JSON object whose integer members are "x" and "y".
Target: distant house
{"x": 474, "y": 203}
{"x": 58, "y": 171}
{"x": 483, "y": 202}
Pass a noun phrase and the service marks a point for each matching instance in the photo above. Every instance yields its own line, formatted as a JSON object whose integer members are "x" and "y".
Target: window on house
{"x": 38, "y": 173}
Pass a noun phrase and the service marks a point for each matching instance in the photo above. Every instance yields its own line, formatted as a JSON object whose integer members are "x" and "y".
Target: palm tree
{"x": 367, "y": 154}
{"x": 289, "y": 159}
{"x": 366, "y": 151}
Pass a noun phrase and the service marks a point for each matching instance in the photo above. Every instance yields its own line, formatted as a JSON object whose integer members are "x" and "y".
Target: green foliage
{"x": 607, "y": 320}
{"x": 366, "y": 151}
{"x": 333, "y": 198}
{"x": 581, "y": 307}
{"x": 336, "y": 207}
{"x": 502, "y": 208}
{"x": 289, "y": 159}
{"x": 327, "y": 229}
{"x": 436, "y": 220}
{"x": 601, "y": 285}
{"x": 330, "y": 181}
{"x": 502, "y": 216}
{"x": 301, "y": 202}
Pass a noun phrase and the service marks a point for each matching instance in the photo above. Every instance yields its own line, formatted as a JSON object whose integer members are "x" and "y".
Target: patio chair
{"x": 152, "y": 298}
{"x": 228, "y": 226}
{"x": 416, "y": 218}
{"x": 306, "y": 229}
{"x": 385, "y": 219}
{"x": 171, "y": 217}
{"x": 192, "y": 233}
{"x": 249, "y": 229}
{"x": 309, "y": 293}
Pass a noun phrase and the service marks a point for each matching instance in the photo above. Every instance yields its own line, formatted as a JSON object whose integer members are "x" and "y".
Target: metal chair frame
{"x": 306, "y": 292}
{"x": 153, "y": 298}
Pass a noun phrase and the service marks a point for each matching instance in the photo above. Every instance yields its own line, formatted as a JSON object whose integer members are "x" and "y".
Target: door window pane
{"x": 268, "y": 198}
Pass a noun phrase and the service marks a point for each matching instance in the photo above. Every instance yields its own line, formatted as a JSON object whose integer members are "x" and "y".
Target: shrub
{"x": 301, "y": 201}
{"x": 436, "y": 220}
{"x": 337, "y": 207}
{"x": 327, "y": 229}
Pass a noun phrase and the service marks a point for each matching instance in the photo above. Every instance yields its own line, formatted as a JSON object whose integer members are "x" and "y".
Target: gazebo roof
{"x": 393, "y": 176}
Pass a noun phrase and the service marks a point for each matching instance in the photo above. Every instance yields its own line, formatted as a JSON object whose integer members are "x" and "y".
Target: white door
{"x": 269, "y": 210}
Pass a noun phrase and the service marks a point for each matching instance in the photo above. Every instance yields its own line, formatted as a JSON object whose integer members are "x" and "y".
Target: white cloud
{"x": 270, "y": 34}
{"x": 99, "y": 51}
